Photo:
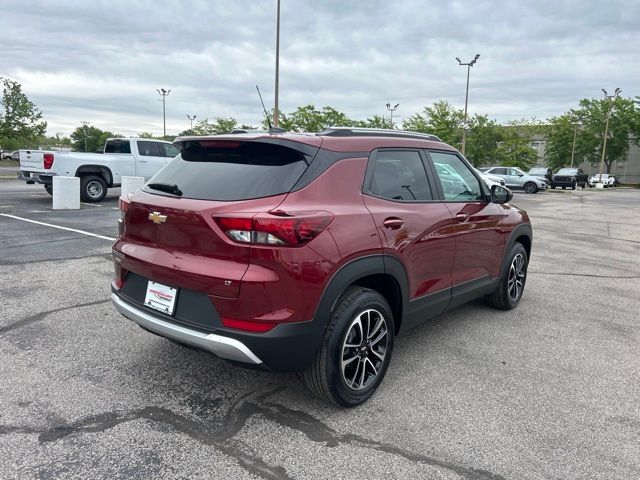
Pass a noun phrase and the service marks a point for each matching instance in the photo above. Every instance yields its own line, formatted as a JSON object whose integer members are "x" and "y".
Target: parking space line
{"x": 91, "y": 204}
{"x": 58, "y": 227}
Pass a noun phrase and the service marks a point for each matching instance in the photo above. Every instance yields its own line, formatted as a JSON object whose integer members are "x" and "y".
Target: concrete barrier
{"x": 130, "y": 184}
{"x": 66, "y": 193}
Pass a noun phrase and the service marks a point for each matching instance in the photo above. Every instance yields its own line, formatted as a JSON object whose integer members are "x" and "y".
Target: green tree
{"x": 308, "y": 118}
{"x": 441, "y": 119}
{"x": 515, "y": 149}
{"x": 377, "y": 121}
{"x": 218, "y": 126}
{"x": 20, "y": 120}
{"x": 87, "y": 138}
{"x": 560, "y": 135}
{"x": 624, "y": 129}
{"x": 483, "y": 137}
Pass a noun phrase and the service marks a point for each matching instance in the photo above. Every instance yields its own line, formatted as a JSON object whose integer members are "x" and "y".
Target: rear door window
{"x": 400, "y": 175}
{"x": 150, "y": 149}
{"x": 117, "y": 146}
{"x": 231, "y": 170}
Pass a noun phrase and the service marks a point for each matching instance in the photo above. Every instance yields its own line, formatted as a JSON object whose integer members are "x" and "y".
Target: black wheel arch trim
{"x": 522, "y": 230}
{"x": 101, "y": 170}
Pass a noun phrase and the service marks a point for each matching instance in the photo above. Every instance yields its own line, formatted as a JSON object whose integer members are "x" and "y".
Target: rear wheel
{"x": 356, "y": 350}
{"x": 49, "y": 188}
{"x": 530, "y": 187}
{"x": 512, "y": 280}
{"x": 92, "y": 188}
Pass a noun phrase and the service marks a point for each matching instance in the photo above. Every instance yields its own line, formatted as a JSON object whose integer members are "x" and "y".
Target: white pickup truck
{"x": 140, "y": 157}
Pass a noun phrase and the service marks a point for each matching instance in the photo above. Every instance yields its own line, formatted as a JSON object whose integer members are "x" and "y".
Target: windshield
{"x": 567, "y": 171}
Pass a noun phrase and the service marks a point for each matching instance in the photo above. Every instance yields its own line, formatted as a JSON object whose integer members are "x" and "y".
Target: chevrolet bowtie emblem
{"x": 155, "y": 217}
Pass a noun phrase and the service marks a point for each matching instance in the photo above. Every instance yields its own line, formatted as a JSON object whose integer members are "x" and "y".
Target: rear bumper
{"x": 42, "y": 178}
{"x": 223, "y": 347}
{"x": 287, "y": 347}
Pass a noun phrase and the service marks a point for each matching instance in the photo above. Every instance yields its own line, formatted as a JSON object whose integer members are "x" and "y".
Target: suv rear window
{"x": 230, "y": 170}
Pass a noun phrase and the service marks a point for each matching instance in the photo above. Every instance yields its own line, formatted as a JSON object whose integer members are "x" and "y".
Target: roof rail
{"x": 375, "y": 132}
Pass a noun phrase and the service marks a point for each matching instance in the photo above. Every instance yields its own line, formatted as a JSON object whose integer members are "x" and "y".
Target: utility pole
{"x": 606, "y": 128}
{"x": 85, "y": 126}
{"x": 573, "y": 147}
{"x": 163, "y": 93}
{"x": 191, "y": 119}
{"x": 275, "y": 109}
{"x": 466, "y": 98}
{"x": 391, "y": 110}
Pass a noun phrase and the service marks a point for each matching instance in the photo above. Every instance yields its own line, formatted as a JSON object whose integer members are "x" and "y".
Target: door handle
{"x": 461, "y": 217}
{"x": 393, "y": 223}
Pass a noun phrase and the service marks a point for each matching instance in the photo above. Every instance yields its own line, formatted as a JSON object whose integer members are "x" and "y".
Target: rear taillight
{"x": 47, "y": 160}
{"x": 120, "y": 273}
{"x": 123, "y": 205}
{"x": 277, "y": 229}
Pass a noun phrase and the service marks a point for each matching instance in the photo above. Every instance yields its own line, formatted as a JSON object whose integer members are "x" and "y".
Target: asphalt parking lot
{"x": 549, "y": 390}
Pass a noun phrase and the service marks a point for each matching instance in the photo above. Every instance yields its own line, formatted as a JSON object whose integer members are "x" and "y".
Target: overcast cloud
{"x": 101, "y": 61}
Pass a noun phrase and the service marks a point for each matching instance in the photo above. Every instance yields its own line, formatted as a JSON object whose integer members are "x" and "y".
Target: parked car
{"x": 607, "y": 180}
{"x": 15, "y": 155}
{"x": 490, "y": 180}
{"x": 300, "y": 252}
{"x": 140, "y": 157}
{"x": 516, "y": 178}
{"x": 5, "y": 154}
{"x": 570, "y": 177}
{"x": 543, "y": 173}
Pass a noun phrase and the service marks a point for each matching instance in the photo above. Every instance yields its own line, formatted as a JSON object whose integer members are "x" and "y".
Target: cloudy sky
{"x": 102, "y": 61}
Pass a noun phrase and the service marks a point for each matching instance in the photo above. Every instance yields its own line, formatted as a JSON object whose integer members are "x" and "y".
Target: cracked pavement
{"x": 549, "y": 390}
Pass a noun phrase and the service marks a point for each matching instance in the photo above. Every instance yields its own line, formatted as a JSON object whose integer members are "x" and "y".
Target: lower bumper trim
{"x": 223, "y": 347}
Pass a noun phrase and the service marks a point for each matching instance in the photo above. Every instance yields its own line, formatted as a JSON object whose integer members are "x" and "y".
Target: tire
{"x": 344, "y": 385}
{"x": 512, "y": 280}
{"x": 49, "y": 188}
{"x": 530, "y": 187}
{"x": 574, "y": 185}
{"x": 92, "y": 188}
{"x": 564, "y": 188}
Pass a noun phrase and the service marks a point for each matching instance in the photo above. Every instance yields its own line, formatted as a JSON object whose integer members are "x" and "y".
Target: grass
{"x": 8, "y": 163}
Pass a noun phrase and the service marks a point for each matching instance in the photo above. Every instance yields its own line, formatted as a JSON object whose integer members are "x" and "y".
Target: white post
{"x": 66, "y": 193}
{"x": 130, "y": 184}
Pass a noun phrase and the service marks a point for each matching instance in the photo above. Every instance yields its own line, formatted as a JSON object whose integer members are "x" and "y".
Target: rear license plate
{"x": 161, "y": 297}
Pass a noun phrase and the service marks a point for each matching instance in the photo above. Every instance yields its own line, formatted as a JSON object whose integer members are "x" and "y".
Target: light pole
{"x": 606, "y": 128}
{"x": 85, "y": 126}
{"x": 191, "y": 119}
{"x": 466, "y": 97}
{"x": 573, "y": 147}
{"x": 163, "y": 93}
{"x": 275, "y": 109}
{"x": 391, "y": 110}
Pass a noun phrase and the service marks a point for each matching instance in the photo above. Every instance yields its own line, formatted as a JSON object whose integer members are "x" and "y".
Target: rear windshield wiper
{"x": 166, "y": 187}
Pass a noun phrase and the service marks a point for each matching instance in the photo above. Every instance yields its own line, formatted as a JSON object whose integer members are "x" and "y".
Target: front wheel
{"x": 49, "y": 188}
{"x": 530, "y": 187}
{"x": 92, "y": 188}
{"x": 356, "y": 350}
{"x": 512, "y": 280}
{"x": 573, "y": 187}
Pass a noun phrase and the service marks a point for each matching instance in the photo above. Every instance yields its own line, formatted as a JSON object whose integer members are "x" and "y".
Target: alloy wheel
{"x": 364, "y": 349}
{"x": 517, "y": 274}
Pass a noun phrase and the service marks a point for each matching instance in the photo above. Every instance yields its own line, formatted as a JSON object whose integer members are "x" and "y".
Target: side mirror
{"x": 499, "y": 194}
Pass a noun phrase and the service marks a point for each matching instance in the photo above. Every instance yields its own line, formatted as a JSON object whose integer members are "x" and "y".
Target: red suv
{"x": 312, "y": 252}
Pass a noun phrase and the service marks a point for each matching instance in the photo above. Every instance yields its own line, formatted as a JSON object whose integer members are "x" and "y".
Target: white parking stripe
{"x": 58, "y": 226}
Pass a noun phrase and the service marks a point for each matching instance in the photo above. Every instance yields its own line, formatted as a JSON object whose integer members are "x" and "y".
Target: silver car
{"x": 516, "y": 178}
